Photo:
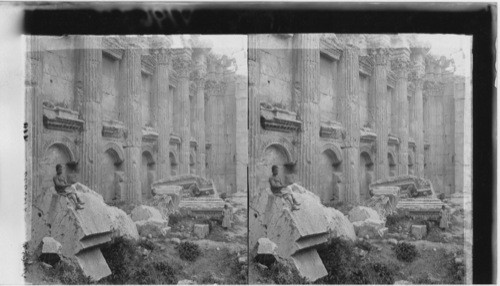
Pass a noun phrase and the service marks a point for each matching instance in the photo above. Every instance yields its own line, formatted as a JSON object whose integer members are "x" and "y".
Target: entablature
{"x": 59, "y": 118}
{"x": 277, "y": 119}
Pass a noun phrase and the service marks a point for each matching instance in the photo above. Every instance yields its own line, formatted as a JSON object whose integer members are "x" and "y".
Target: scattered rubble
{"x": 292, "y": 231}
{"x": 80, "y": 232}
{"x": 201, "y": 230}
{"x": 419, "y": 231}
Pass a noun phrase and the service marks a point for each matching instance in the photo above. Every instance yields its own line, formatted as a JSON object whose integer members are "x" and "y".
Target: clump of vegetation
{"x": 364, "y": 244}
{"x": 345, "y": 267}
{"x": 405, "y": 251}
{"x": 189, "y": 251}
{"x": 281, "y": 273}
{"x": 147, "y": 244}
{"x": 456, "y": 271}
{"x": 69, "y": 274}
{"x": 128, "y": 266}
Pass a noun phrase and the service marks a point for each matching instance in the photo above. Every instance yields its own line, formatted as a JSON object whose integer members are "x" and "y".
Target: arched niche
{"x": 174, "y": 164}
{"x": 112, "y": 185}
{"x": 330, "y": 173}
{"x": 192, "y": 162}
{"x": 392, "y": 164}
{"x": 148, "y": 173}
{"x": 411, "y": 165}
{"x": 55, "y": 153}
{"x": 274, "y": 154}
{"x": 365, "y": 174}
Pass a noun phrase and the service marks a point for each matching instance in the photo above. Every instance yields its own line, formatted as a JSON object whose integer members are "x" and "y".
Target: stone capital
{"x": 182, "y": 62}
{"x": 380, "y": 56}
{"x": 400, "y": 63}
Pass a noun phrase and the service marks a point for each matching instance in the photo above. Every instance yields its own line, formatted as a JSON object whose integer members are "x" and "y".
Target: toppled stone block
{"x": 145, "y": 213}
{"x": 152, "y": 227}
{"x": 175, "y": 240}
{"x": 51, "y": 251}
{"x": 361, "y": 213}
{"x": 369, "y": 227}
{"x": 266, "y": 246}
{"x": 166, "y": 204}
{"x": 266, "y": 252}
{"x": 122, "y": 224}
{"x": 383, "y": 231}
{"x": 50, "y": 245}
{"x": 384, "y": 200}
{"x": 201, "y": 230}
{"x": 392, "y": 241}
{"x": 198, "y": 196}
{"x": 419, "y": 231}
{"x": 296, "y": 233}
{"x": 309, "y": 264}
{"x": 339, "y": 225}
{"x": 80, "y": 232}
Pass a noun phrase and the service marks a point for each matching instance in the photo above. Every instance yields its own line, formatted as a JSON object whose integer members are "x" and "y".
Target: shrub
{"x": 405, "y": 251}
{"x": 174, "y": 218}
{"x": 148, "y": 244}
{"x": 189, "y": 251}
{"x": 69, "y": 274}
{"x": 340, "y": 260}
{"x": 456, "y": 272}
{"x": 379, "y": 273}
{"x": 121, "y": 255}
{"x": 280, "y": 273}
{"x": 365, "y": 245}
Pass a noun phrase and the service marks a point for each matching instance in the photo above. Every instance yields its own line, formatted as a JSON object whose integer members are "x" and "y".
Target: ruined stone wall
{"x": 111, "y": 116}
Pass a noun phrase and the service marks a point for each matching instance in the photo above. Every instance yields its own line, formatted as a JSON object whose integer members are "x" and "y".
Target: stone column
{"x": 419, "y": 111}
{"x": 130, "y": 72}
{"x": 199, "y": 75}
{"x": 349, "y": 109}
{"x": 306, "y": 94}
{"x": 182, "y": 63}
{"x": 161, "y": 103}
{"x": 400, "y": 63}
{"x": 379, "y": 51}
{"x": 90, "y": 76}
{"x": 34, "y": 119}
{"x": 253, "y": 111}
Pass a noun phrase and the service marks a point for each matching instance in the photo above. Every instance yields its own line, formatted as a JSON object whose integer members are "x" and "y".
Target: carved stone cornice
{"x": 148, "y": 63}
{"x": 175, "y": 139}
{"x": 393, "y": 140}
{"x": 182, "y": 62}
{"x": 432, "y": 88}
{"x": 367, "y": 135}
{"x": 59, "y": 118}
{"x": 380, "y": 56}
{"x": 149, "y": 134}
{"x": 113, "y": 129}
{"x": 277, "y": 119}
{"x": 333, "y": 130}
{"x": 113, "y": 47}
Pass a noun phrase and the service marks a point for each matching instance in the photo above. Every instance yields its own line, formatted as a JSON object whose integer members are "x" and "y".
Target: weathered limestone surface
{"x": 199, "y": 75}
{"x": 161, "y": 83}
{"x": 384, "y": 200}
{"x": 370, "y": 227}
{"x": 266, "y": 246}
{"x": 379, "y": 45}
{"x": 201, "y": 230}
{"x": 361, "y": 213}
{"x": 182, "y": 62}
{"x": 305, "y": 94}
{"x": 253, "y": 110}
{"x": 145, "y": 213}
{"x": 293, "y": 232}
{"x": 90, "y": 74}
{"x": 149, "y": 221}
{"x": 130, "y": 69}
{"x": 81, "y": 232}
{"x": 419, "y": 231}
{"x": 50, "y": 245}
{"x": 349, "y": 105}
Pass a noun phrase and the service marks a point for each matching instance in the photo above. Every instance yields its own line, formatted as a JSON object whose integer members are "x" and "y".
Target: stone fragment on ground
{"x": 266, "y": 246}
{"x": 392, "y": 241}
{"x": 175, "y": 240}
{"x": 419, "y": 231}
{"x": 145, "y": 213}
{"x": 152, "y": 228}
{"x": 201, "y": 230}
{"x": 51, "y": 251}
{"x": 369, "y": 227}
{"x": 361, "y": 213}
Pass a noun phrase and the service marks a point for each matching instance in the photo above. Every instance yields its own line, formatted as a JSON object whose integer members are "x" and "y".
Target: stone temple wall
{"x": 112, "y": 110}
{"x": 351, "y": 109}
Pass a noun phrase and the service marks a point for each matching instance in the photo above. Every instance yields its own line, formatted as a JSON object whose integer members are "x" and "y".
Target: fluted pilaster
{"x": 380, "y": 55}
{"x": 90, "y": 75}
{"x": 399, "y": 64}
{"x": 306, "y": 85}
{"x": 161, "y": 104}
{"x": 253, "y": 110}
{"x": 130, "y": 72}
{"x": 199, "y": 75}
{"x": 419, "y": 112}
{"x": 349, "y": 109}
{"x": 182, "y": 62}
